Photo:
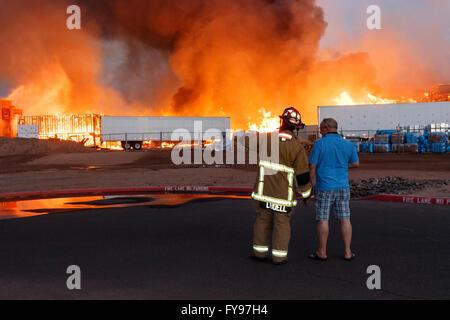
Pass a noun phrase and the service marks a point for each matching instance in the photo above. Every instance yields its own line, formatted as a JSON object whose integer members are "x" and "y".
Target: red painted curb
{"x": 410, "y": 199}
{"x": 193, "y": 189}
{"x": 122, "y": 191}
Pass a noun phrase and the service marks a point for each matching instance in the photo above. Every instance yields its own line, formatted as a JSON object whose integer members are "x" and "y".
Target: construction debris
{"x": 390, "y": 185}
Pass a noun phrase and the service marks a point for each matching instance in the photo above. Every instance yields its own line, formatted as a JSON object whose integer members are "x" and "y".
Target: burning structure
{"x": 114, "y": 132}
{"x": 439, "y": 92}
{"x": 9, "y": 118}
{"x": 208, "y": 58}
{"x": 83, "y": 128}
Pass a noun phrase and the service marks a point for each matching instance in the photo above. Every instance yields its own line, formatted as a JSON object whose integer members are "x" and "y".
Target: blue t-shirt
{"x": 331, "y": 155}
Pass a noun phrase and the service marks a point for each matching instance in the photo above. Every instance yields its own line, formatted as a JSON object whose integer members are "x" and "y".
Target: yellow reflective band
{"x": 291, "y": 182}
{"x": 280, "y": 202}
{"x": 260, "y": 248}
{"x": 290, "y": 179}
{"x": 279, "y": 253}
{"x": 275, "y": 166}
{"x": 290, "y": 194}
{"x": 260, "y": 187}
{"x": 261, "y": 180}
{"x": 261, "y": 173}
{"x": 290, "y": 176}
{"x": 306, "y": 194}
{"x": 285, "y": 135}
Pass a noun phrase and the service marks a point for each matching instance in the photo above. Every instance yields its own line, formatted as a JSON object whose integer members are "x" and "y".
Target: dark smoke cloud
{"x": 215, "y": 46}
{"x": 184, "y": 57}
{"x": 39, "y": 54}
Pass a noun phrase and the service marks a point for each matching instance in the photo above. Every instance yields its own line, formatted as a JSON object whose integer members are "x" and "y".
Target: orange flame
{"x": 167, "y": 145}
{"x": 112, "y": 145}
{"x": 268, "y": 123}
{"x": 345, "y": 99}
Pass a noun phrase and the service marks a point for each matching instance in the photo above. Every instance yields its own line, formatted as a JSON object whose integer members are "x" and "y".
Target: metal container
{"x": 162, "y": 128}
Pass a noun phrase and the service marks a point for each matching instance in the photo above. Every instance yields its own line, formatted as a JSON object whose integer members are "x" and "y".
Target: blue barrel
{"x": 438, "y": 147}
{"x": 412, "y": 137}
{"x": 364, "y": 146}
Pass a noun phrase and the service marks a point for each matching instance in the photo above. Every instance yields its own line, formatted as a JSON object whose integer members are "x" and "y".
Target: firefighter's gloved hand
{"x": 306, "y": 200}
{"x": 303, "y": 180}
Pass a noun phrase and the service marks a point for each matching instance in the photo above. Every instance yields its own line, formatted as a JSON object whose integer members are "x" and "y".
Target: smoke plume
{"x": 174, "y": 57}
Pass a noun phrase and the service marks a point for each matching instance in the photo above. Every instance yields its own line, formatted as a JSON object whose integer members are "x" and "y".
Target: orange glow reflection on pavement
{"x": 30, "y": 208}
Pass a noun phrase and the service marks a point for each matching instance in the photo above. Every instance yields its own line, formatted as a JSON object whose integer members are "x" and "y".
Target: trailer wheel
{"x": 126, "y": 145}
{"x": 137, "y": 145}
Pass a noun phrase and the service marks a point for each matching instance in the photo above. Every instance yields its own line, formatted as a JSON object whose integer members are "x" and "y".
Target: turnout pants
{"x": 274, "y": 228}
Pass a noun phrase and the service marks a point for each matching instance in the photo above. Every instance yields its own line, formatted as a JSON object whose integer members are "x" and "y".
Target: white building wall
{"x": 387, "y": 116}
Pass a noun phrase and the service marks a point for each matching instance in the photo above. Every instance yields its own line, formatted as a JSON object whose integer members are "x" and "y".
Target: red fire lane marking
{"x": 410, "y": 199}
{"x": 197, "y": 189}
{"x": 120, "y": 191}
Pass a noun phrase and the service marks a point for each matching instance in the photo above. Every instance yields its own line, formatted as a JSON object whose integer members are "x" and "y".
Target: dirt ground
{"x": 64, "y": 170}
{"x": 20, "y": 146}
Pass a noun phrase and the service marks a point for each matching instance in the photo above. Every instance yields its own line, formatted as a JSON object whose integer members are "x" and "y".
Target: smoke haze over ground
{"x": 192, "y": 58}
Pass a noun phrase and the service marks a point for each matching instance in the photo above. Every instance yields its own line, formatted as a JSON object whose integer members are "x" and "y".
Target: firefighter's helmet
{"x": 292, "y": 117}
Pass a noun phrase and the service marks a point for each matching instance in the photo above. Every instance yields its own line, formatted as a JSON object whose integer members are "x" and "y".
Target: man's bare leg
{"x": 346, "y": 231}
{"x": 322, "y": 232}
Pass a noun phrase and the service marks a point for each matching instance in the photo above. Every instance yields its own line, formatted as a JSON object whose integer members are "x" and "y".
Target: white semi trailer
{"x": 369, "y": 118}
{"x": 132, "y": 131}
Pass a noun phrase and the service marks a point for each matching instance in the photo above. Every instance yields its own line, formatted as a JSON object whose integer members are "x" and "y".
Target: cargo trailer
{"x": 131, "y": 132}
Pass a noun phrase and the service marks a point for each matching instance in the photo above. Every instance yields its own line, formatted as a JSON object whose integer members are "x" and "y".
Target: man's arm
{"x": 302, "y": 172}
{"x": 354, "y": 160}
{"x": 312, "y": 174}
{"x": 313, "y": 161}
{"x": 353, "y": 164}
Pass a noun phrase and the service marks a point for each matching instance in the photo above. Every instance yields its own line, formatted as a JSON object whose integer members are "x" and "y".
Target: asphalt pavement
{"x": 200, "y": 251}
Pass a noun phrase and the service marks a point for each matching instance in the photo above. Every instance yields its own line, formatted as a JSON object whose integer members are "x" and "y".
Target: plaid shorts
{"x": 337, "y": 199}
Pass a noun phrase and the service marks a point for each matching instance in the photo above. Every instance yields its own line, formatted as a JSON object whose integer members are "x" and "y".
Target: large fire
{"x": 86, "y": 128}
{"x": 80, "y": 128}
{"x": 247, "y": 60}
{"x": 267, "y": 123}
{"x": 345, "y": 99}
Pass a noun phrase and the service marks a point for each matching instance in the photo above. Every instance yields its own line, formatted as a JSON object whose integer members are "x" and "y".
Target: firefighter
{"x": 275, "y": 194}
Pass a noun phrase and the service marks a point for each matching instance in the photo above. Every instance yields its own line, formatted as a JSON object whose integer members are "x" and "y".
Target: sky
{"x": 423, "y": 25}
{"x": 405, "y": 16}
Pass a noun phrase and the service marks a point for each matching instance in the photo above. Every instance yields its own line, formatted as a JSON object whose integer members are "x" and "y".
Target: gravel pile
{"x": 390, "y": 185}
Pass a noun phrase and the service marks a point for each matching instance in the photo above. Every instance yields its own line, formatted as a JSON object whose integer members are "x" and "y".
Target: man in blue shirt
{"x": 329, "y": 161}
